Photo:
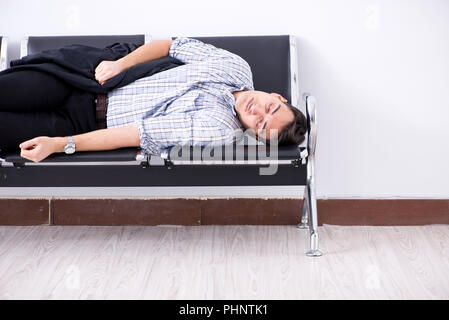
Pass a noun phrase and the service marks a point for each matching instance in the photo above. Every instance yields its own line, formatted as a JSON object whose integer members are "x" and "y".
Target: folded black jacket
{"x": 75, "y": 64}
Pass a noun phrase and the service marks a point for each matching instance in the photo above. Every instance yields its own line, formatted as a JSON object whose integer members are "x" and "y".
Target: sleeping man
{"x": 208, "y": 101}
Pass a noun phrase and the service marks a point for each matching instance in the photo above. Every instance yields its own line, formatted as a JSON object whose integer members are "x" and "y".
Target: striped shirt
{"x": 189, "y": 105}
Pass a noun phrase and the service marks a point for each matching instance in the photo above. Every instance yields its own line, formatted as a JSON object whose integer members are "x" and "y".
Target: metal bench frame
{"x": 3, "y": 53}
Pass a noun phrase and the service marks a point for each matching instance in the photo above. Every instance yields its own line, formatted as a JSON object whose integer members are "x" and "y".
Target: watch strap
{"x": 70, "y": 145}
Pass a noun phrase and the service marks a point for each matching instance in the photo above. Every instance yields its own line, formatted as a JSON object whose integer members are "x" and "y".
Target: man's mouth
{"x": 249, "y": 104}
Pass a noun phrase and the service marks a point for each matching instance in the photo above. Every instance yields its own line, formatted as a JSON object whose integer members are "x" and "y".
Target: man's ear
{"x": 277, "y": 95}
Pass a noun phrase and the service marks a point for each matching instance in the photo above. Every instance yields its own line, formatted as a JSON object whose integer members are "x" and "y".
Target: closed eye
{"x": 277, "y": 108}
{"x": 269, "y": 107}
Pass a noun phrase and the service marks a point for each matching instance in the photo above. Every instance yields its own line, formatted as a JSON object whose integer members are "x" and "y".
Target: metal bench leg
{"x": 309, "y": 210}
{"x": 305, "y": 212}
{"x": 313, "y": 222}
{"x": 313, "y": 214}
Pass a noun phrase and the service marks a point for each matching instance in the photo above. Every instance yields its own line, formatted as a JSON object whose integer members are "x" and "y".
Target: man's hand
{"x": 38, "y": 149}
{"x": 107, "y": 70}
{"x": 147, "y": 52}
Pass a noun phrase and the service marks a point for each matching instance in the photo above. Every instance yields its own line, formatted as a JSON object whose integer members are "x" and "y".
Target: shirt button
{"x": 200, "y": 85}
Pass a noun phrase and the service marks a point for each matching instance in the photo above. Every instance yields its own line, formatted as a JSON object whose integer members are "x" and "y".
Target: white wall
{"x": 379, "y": 69}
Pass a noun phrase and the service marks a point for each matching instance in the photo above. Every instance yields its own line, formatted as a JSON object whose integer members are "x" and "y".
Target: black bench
{"x": 273, "y": 60}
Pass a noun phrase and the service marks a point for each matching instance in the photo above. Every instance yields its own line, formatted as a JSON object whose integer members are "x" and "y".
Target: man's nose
{"x": 257, "y": 109}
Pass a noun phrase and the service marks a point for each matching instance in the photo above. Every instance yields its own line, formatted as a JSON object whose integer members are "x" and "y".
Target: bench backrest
{"x": 37, "y": 44}
{"x": 272, "y": 60}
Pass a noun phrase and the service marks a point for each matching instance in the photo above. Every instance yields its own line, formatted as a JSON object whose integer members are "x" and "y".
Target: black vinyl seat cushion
{"x": 123, "y": 154}
{"x": 240, "y": 152}
{"x": 286, "y": 152}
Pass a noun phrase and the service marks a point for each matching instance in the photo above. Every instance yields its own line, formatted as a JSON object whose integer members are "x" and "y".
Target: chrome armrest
{"x": 24, "y": 47}
{"x": 148, "y": 38}
{"x": 3, "y": 54}
{"x": 294, "y": 78}
{"x": 311, "y": 123}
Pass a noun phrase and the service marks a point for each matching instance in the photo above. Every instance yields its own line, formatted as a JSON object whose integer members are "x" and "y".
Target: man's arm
{"x": 104, "y": 139}
{"x": 150, "y": 51}
{"x": 40, "y": 148}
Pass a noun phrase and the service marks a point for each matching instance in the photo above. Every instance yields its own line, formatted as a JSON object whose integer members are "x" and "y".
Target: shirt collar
{"x": 243, "y": 88}
{"x": 233, "y": 110}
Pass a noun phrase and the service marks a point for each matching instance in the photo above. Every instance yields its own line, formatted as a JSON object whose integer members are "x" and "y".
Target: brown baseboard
{"x": 383, "y": 212}
{"x": 220, "y": 211}
{"x": 24, "y": 212}
{"x": 113, "y": 212}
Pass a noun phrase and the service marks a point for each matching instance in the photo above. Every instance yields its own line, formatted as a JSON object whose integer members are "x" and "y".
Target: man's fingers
{"x": 103, "y": 76}
{"x": 27, "y": 154}
{"x": 33, "y": 155}
{"x": 99, "y": 74}
{"x": 27, "y": 144}
{"x": 100, "y": 66}
{"x": 103, "y": 79}
{"x": 104, "y": 72}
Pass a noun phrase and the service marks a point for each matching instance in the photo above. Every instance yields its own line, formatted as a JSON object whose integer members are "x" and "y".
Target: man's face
{"x": 260, "y": 110}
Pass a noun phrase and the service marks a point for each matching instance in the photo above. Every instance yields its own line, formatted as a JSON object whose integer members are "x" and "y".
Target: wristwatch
{"x": 70, "y": 147}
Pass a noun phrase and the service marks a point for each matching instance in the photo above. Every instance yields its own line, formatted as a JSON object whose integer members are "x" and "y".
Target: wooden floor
{"x": 223, "y": 262}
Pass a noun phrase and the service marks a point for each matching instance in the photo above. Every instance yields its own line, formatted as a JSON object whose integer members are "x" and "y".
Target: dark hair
{"x": 294, "y": 132}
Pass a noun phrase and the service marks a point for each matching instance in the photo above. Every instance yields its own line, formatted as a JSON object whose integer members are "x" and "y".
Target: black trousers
{"x": 35, "y": 103}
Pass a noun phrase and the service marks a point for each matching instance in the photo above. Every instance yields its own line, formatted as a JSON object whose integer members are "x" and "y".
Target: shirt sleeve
{"x": 190, "y": 50}
{"x": 184, "y": 129}
{"x": 224, "y": 66}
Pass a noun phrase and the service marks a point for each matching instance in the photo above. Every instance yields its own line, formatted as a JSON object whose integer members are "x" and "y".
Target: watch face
{"x": 69, "y": 150}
